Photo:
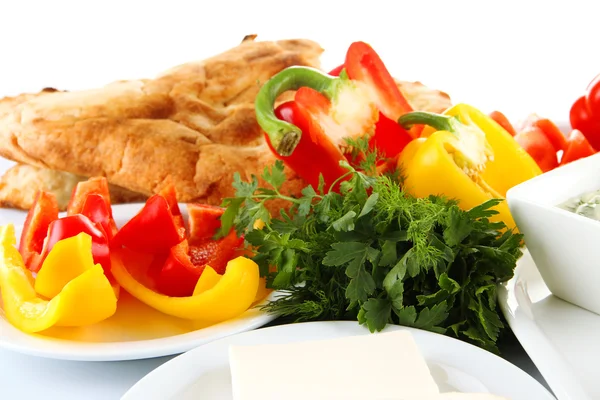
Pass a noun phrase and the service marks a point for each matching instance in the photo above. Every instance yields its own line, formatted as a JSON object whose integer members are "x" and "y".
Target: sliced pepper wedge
{"x": 154, "y": 229}
{"x": 41, "y": 214}
{"x": 84, "y": 300}
{"x": 230, "y": 296}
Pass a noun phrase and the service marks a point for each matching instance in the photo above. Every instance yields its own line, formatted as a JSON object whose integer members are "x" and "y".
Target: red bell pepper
{"x": 185, "y": 263}
{"x": 390, "y": 138}
{"x": 585, "y": 113}
{"x": 364, "y": 65}
{"x": 41, "y": 214}
{"x": 204, "y": 221}
{"x": 315, "y": 153}
{"x": 503, "y": 122}
{"x": 539, "y": 147}
{"x": 168, "y": 192}
{"x": 577, "y": 147}
{"x": 95, "y": 209}
{"x": 153, "y": 230}
{"x": 73, "y": 225}
{"x": 97, "y": 213}
{"x": 332, "y": 107}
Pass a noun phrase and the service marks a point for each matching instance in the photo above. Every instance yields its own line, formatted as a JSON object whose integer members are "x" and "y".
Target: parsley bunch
{"x": 375, "y": 254}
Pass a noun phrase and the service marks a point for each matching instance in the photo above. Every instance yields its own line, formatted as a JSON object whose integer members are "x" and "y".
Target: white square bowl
{"x": 565, "y": 246}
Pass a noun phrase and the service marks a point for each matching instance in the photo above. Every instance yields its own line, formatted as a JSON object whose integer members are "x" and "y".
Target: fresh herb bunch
{"x": 378, "y": 255}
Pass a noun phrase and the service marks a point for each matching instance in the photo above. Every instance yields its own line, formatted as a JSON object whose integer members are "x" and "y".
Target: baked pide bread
{"x": 194, "y": 123}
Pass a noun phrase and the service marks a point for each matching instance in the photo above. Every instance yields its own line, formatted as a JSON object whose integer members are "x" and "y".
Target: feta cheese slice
{"x": 382, "y": 366}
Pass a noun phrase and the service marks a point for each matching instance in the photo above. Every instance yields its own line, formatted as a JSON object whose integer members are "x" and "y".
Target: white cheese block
{"x": 382, "y": 366}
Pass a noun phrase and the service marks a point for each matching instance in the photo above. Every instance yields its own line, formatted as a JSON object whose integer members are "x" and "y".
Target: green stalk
{"x": 284, "y": 136}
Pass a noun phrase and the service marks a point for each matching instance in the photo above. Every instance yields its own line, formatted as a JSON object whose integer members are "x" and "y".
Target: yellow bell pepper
{"x": 464, "y": 155}
{"x": 216, "y": 298}
{"x": 84, "y": 297}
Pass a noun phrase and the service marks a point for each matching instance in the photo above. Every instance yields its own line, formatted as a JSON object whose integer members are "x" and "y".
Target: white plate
{"x": 455, "y": 365}
{"x": 560, "y": 338}
{"x": 136, "y": 331}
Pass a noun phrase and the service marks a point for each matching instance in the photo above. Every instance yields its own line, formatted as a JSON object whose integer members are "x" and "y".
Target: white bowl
{"x": 565, "y": 246}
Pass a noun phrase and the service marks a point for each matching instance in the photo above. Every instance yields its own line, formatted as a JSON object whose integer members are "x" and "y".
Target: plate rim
{"x": 71, "y": 350}
{"x": 153, "y": 378}
{"x": 549, "y": 360}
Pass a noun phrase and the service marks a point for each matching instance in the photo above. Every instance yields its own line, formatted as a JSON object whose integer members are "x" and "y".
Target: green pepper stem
{"x": 284, "y": 136}
{"x": 437, "y": 121}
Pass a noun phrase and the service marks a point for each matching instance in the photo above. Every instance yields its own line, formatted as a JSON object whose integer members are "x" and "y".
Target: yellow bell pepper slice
{"x": 56, "y": 272}
{"x": 230, "y": 296}
{"x": 86, "y": 299}
{"x": 207, "y": 280}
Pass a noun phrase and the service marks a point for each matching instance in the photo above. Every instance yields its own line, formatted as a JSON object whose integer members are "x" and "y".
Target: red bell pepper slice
{"x": 97, "y": 186}
{"x": 41, "y": 214}
{"x": 363, "y": 64}
{"x": 95, "y": 209}
{"x": 186, "y": 262}
{"x": 73, "y": 225}
{"x": 577, "y": 147}
{"x": 168, "y": 192}
{"x": 539, "y": 147}
{"x": 153, "y": 230}
{"x": 503, "y": 122}
{"x": 315, "y": 154}
{"x": 203, "y": 221}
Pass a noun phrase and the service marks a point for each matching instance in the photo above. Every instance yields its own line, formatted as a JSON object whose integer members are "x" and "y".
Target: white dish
{"x": 136, "y": 331}
{"x": 563, "y": 244}
{"x": 560, "y": 338}
{"x": 455, "y": 365}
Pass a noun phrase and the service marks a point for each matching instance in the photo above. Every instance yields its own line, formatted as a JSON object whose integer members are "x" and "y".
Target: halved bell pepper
{"x": 315, "y": 153}
{"x": 466, "y": 156}
{"x": 43, "y": 211}
{"x": 155, "y": 229}
{"x": 230, "y": 296}
{"x": 85, "y": 299}
{"x": 329, "y": 110}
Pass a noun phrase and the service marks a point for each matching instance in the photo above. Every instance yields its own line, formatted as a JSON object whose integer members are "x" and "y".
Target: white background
{"x": 515, "y": 56}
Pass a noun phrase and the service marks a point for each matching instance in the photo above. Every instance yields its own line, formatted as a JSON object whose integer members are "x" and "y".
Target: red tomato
{"x": 584, "y": 120}
{"x": 577, "y": 147}
{"x": 503, "y": 122}
{"x": 539, "y": 148}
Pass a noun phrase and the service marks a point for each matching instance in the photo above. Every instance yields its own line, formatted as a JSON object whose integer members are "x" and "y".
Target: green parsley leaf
{"x": 274, "y": 176}
{"x": 377, "y": 313}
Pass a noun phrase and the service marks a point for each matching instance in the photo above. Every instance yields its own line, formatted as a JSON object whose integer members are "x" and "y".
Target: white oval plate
{"x": 455, "y": 365}
{"x": 560, "y": 338}
{"x": 136, "y": 331}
